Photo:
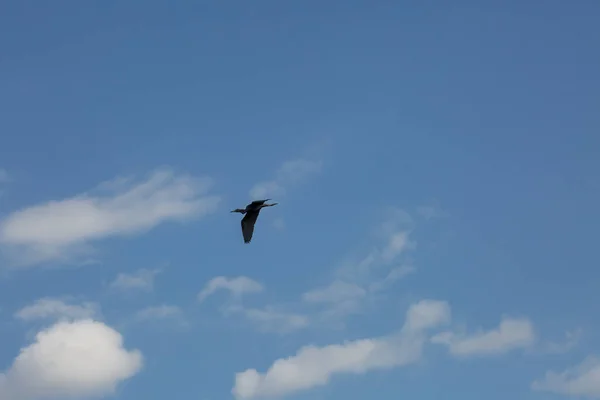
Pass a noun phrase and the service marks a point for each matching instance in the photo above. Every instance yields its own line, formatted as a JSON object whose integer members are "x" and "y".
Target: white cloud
{"x": 142, "y": 279}
{"x": 582, "y": 380}
{"x": 59, "y": 230}
{"x": 314, "y": 366}
{"x": 289, "y": 173}
{"x": 159, "y": 312}
{"x": 237, "y": 286}
{"x": 426, "y": 314}
{"x": 57, "y": 309}
{"x": 70, "y": 360}
{"x": 513, "y": 333}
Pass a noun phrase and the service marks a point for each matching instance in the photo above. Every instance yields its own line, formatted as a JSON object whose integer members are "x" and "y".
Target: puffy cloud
{"x": 289, "y": 173}
{"x": 512, "y": 333}
{"x": 237, "y": 286}
{"x": 582, "y": 380}
{"x": 58, "y": 230}
{"x": 57, "y": 309}
{"x": 313, "y": 366}
{"x": 77, "y": 359}
{"x": 142, "y": 279}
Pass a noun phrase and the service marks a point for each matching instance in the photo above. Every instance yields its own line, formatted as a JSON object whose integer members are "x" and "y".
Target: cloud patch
{"x": 582, "y": 380}
{"x": 511, "y": 334}
{"x": 271, "y": 319}
{"x": 52, "y": 308}
{"x": 61, "y": 229}
{"x": 237, "y": 286}
{"x": 77, "y": 359}
{"x": 314, "y": 366}
{"x": 358, "y": 279}
{"x": 572, "y": 339}
{"x": 142, "y": 279}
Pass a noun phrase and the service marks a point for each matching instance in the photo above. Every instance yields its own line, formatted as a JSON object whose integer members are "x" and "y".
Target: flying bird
{"x": 251, "y": 214}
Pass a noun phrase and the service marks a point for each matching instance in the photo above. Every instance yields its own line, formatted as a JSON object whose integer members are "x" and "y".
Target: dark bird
{"x": 252, "y": 210}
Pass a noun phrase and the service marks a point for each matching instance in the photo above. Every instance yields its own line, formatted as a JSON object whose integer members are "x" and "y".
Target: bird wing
{"x": 248, "y": 225}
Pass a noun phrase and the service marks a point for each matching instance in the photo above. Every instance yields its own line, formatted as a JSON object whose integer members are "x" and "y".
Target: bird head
{"x": 239, "y": 210}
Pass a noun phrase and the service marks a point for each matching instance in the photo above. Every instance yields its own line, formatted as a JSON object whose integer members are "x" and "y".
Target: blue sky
{"x": 436, "y": 168}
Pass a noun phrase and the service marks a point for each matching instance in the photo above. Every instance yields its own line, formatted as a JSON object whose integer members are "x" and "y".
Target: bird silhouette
{"x": 251, "y": 214}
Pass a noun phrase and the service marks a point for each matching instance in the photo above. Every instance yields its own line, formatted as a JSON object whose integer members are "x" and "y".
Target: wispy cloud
{"x": 59, "y": 230}
{"x": 394, "y": 275}
{"x": 266, "y": 319}
{"x": 393, "y": 235}
{"x": 511, "y": 334}
{"x": 77, "y": 359}
{"x": 166, "y": 315}
{"x": 142, "y": 279}
{"x": 338, "y": 299}
{"x": 582, "y": 380}
{"x": 237, "y": 286}
{"x": 271, "y": 319}
{"x": 288, "y": 174}
{"x": 53, "y": 308}
{"x": 356, "y": 280}
{"x": 337, "y": 291}
{"x": 314, "y": 366}
{"x": 571, "y": 341}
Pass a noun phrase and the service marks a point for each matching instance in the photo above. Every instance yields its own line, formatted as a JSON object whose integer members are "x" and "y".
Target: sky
{"x": 435, "y": 166}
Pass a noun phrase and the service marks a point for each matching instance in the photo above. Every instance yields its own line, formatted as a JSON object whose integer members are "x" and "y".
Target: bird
{"x": 251, "y": 214}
